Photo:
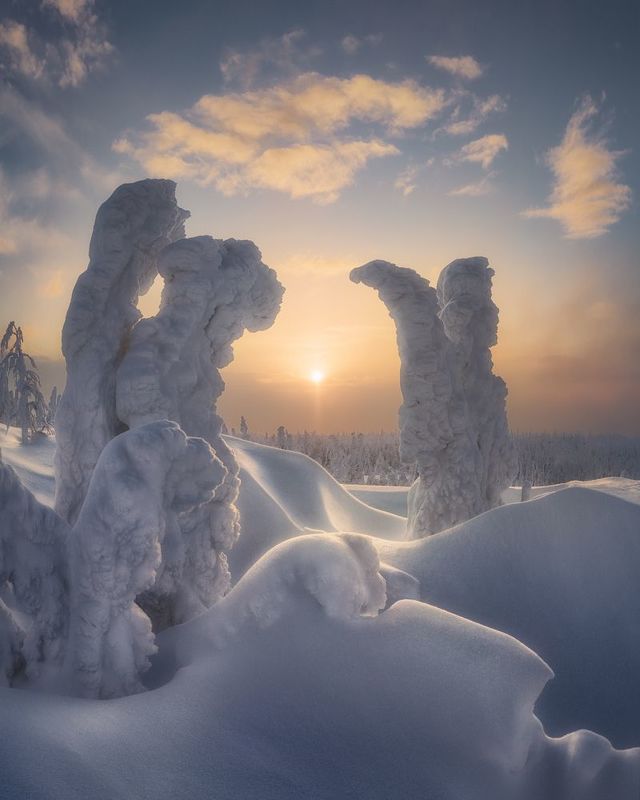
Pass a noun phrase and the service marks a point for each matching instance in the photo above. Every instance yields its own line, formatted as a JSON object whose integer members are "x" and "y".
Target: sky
{"x": 333, "y": 133}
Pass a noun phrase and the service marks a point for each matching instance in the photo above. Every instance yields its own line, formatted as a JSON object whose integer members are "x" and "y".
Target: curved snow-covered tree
{"x": 450, "y": 424}
{"x": 470, "y": 320}
{"x": 21, "y": 400}
{"x": 434, "y": 429}
{"x": 213, "y": 291}
{"x": 131, "y": 228}
{"x": 144, "y": 483}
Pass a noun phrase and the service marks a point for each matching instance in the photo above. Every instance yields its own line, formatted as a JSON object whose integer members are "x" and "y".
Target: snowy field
{"x": 499, "y": 659}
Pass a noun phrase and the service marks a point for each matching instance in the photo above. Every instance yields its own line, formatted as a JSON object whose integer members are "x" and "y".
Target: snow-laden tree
{"x": 131, "y": 228}
{"x": 452, "y": 425}
{"x": 69, "y": 597}
{"x": 21, "y": 400}
{"x": 129, "y": 541}
{"x": 470, "y": 320}
{"x": 52, "y": 406}
{"x": 434, "y": 425}
{"x": 213, "y": 291}
{"x": 34, "y": 606}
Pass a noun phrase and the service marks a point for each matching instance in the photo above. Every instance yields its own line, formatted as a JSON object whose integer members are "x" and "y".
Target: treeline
{"x": 543, "y": 458}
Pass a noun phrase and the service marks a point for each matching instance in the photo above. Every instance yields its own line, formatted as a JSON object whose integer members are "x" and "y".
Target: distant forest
{"x": 543, "y": 458}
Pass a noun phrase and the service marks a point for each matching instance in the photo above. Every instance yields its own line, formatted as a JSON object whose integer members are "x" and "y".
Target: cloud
{"x": 465, "y": 67}
{"x": 587, "y": 197}
{"x": 237, "y": 141}
{"x": 309, "y": 170}
{"x": 482, "y": 107}
{"x": 406, "y": 180}
{"x": 20, "y": 58}
{"x": 477, "y": 189}
{"x": 352, "y": 44}
{"x": 279, "y": 57}
{"x": 484, "y": 150}
{"x": 78, "y": 46}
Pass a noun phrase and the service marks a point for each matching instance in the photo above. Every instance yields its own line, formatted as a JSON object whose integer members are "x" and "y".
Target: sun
{"x": 316, "y": 376}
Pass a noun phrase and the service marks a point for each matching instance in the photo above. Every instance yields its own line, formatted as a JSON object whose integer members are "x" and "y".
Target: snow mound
{"x": 314, "y": 701}
{"x": 559, "y": 573}
{"x": 283, "y": 493}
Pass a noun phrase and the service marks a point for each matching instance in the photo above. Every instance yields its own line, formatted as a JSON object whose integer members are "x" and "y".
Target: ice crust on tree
{"x": 129, "y": 537}
{"x": 131, "y": 228}
{"x": 213, "y": 291}
{"x": 453, "y": 419}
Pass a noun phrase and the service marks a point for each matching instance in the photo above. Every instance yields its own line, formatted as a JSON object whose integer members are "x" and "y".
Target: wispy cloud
{"x": 406, "y": 182}
{"x": 587, "y": 197}
{"x": 78, "y": 46}
{"x": 281, "y": 56}
{"x": 302, "y": 126}
{"x": 482, "y": 151}
{"x": 352, "y": 44}
{"x": 465, "y": 67}
{"x": 464, "y": 121}
{"x": 18, "y": 54}
{"x": 477, "y": 189}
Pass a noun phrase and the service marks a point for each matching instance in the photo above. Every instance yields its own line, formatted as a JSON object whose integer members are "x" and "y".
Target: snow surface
{"x": 291, "y": 686}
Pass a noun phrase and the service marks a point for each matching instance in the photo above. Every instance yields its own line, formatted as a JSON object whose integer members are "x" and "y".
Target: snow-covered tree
{"x": 21, "y": 400}
{"x": 70, "y": 614}
{"x": 452, "y": 421}
{"x": 52, "y": 406}
{"x": 34, "y": 576}
{"x": 214, "y": 290}
{"x": 131, "y": 228}
{"x": 244, "y": 428}
{"x": 470, "y": 320}
{"x": 127, "y": 546}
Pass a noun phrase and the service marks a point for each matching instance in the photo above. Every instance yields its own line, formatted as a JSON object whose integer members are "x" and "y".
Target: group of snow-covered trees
{"x": 145, "y": 485}
{"x": 22, "y": 404}
{"x": 542, "y": 458}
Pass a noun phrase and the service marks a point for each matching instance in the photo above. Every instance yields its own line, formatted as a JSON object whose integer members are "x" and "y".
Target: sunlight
{"x": 316, "y": 376}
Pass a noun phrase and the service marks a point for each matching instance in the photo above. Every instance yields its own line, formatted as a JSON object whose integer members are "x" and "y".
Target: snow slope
{"x": 292, "y": 687}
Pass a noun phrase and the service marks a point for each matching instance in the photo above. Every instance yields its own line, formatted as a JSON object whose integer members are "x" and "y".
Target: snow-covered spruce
{"x": 434, "y": 423}
{"x": 470, "y": 319}
{"x": 131, "y": 227}
{"x": 33, "y": 580}
{"x": 213, "y": 291}
{"x": 145, "y": 482}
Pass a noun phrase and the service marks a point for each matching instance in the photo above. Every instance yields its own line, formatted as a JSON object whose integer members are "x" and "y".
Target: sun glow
{"x": 316, "y": 376}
